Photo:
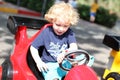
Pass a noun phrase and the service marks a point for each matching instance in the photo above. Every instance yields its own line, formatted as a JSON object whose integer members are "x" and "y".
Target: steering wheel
{"x": 73, "y": 58}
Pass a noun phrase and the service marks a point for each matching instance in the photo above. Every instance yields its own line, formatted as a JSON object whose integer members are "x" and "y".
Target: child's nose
{"x": 61, "y": 29}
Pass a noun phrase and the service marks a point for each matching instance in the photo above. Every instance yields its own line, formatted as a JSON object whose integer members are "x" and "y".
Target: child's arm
{"x": 40, "y": 64}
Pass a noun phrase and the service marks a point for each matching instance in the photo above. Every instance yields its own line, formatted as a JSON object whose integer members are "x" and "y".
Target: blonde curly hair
{"x": 62, "y": 10}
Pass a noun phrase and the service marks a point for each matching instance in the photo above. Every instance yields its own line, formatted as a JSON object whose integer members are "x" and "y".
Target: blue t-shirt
{"x": 53, "y": 44}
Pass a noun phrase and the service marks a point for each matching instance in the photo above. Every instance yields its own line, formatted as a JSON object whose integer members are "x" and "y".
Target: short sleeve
{"x": 38, "y": 41}
{"x": 71, "y": 37}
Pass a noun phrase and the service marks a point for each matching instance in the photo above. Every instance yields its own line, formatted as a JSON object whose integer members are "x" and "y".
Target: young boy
{"x": 93, "y": 10}
{"x": 55, "y": 39}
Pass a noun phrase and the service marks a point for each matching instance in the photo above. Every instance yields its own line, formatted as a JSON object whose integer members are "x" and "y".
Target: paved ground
{"x": 89, "y": 37}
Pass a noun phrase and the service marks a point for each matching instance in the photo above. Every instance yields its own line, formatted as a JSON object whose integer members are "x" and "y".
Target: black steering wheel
{"x": 76, "y": 57}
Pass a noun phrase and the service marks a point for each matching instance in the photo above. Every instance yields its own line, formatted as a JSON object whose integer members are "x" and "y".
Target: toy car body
{"x": 20, "y": 65}
{"x": 112, "y": 72}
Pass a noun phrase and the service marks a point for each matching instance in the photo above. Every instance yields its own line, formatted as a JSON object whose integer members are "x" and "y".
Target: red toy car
{"x": 20, "y": 65}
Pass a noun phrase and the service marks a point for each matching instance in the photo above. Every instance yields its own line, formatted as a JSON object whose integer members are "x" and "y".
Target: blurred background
{"x": 89, "y": 34}
{"x": 108, "y": 11}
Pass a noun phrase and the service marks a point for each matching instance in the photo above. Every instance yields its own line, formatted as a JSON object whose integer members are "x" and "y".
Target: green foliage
{"x": 11, "y": 1}
{"x": 24, "y": 3}
{"x": 21, "y": 2}
{"x": 103, "y": 16}
{"x": 84, "y": 11}
{"x": 33, "y": 4}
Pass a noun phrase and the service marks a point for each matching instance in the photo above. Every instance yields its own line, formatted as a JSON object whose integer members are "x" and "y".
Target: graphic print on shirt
{"x": 56, "y": 49}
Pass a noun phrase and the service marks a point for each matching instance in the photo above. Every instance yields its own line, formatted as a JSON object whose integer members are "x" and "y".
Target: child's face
{"x": 60, "y": 26}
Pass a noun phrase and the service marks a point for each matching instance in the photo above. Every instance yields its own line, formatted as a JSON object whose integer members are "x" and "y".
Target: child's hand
{"x": 42, "y": 66}
{"x": 60, "y": 57}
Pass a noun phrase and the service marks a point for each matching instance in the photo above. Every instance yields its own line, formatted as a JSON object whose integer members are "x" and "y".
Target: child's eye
{"x": 58, "y": 25}
{"x": 61, "y": 25}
